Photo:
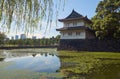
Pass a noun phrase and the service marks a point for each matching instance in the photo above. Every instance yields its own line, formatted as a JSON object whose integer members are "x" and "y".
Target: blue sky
{"x": 84, "y": 7}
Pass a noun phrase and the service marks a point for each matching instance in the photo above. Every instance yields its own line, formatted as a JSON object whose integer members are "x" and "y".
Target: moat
{"x": 53, "y": 64}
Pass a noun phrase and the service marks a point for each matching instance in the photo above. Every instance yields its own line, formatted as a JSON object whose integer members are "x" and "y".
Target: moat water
{"x": 13, "y": 62}
{"x": 40, "y": 64}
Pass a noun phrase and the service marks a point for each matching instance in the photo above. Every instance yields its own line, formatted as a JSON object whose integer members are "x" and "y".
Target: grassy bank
{"x": 82, "y": 64}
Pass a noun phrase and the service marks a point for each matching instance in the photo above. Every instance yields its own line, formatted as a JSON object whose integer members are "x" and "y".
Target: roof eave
{"x": 58, "y": 30}
{"x": 63, "y": 20}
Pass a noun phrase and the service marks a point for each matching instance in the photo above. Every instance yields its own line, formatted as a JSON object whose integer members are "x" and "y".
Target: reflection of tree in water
{"x": 51, "y": 54}
{"x": 1, "y": 59}
{"x": 41, "y": 54}
{"x": 34, "y": 55}
{"x": 44, "y": 54}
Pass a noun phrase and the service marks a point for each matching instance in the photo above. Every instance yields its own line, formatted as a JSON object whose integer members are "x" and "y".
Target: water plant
{"x": 81, "y": 64}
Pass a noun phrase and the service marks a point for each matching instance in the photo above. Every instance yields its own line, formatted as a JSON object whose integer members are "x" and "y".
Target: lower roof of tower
{"x": 72, "y": 28}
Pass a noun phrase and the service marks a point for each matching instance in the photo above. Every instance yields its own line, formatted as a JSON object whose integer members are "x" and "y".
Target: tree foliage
{"x": 2, "y": 38}
{"x": 34, "y": 42}
{"x": 106, "y": 22}
{"x": 27, "y": 14}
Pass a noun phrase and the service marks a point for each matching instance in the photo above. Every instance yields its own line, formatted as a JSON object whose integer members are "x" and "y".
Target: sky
{"x": 84, "y": 7}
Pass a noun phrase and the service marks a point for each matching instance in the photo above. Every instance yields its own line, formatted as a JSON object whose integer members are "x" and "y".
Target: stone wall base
{"x": 106, "y": 45}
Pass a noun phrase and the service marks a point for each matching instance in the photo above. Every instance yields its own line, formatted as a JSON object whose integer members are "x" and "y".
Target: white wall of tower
{"x": 73, "y": 24}
{"x": 73, "y": 35}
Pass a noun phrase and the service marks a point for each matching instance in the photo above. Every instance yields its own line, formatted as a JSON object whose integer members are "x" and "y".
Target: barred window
{"x": 77, "y": 33}
{"x": 70, "y": 33}
{"x": 67, "y": 24}
{"x": 74, "y": 23}
{"x": 63, "y": 34}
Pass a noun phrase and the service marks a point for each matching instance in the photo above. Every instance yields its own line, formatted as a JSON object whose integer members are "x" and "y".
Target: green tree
{"x": 57, "y": 38}
{"x": 106, "y": 22}
{"x": 2, "y": 38}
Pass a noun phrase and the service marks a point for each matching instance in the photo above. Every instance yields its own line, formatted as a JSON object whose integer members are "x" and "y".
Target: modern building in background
{"x": 22, "y": 36}
{"x": 12, "y": 38}
{"x": 33, "y": 37}
{"x": 16, "y": 37}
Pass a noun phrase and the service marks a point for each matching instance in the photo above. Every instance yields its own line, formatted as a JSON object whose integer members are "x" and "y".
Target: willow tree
{"x": 106, "y": 22}
{"x": 27, "y": 14}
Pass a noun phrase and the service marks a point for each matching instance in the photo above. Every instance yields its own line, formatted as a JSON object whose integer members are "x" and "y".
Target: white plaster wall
{"x": 73, "y": 36}
{"x": 70, "y": 24}
{"x": 65, "y": 25}
{"x": 80, "y": 24}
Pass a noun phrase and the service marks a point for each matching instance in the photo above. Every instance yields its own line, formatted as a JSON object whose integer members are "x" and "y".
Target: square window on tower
{"x": 77, "y": 33}
{"x": 69, "y": 33}
{"x": 74, "y": 23}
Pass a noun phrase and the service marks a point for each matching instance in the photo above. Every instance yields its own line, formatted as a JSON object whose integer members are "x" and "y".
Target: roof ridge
{"x": 74, "y": 14}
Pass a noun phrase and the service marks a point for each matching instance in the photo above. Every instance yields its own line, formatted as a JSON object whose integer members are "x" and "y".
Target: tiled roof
{"x": 76, "y": 28}
{"x": 75, "y": 16}
{"x": 72, "y": 28}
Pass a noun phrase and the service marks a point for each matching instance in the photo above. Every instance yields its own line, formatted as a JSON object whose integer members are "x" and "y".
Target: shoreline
{"x": 25, "y": 47}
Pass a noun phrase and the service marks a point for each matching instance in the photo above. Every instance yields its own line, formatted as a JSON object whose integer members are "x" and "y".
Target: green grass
{"x": 76, "y": 64}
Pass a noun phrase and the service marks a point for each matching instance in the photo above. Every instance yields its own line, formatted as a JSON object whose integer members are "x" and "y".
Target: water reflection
{"x": 34, "y": 55}
{"x": 45, "y": 54}
{"x": 38, "y": 62}
{"x": 1, "y": 59}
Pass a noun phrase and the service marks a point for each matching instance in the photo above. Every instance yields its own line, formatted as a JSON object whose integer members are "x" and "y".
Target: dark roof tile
{"x": 75, "y": 16}
{"x": 72, "y": 28}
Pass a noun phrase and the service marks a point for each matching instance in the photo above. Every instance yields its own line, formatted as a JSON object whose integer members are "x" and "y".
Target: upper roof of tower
{"x": 75, "y": 16}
